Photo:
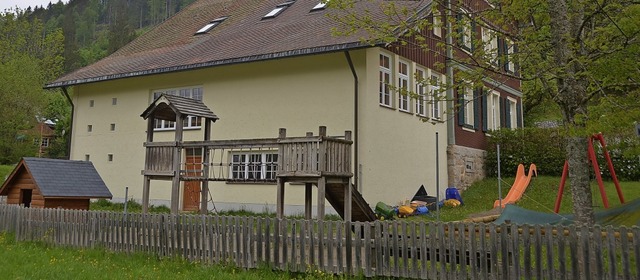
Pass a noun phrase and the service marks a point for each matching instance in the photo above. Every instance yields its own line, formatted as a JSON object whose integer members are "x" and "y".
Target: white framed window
{"x": 403, "y": 86}
{"x": 319, "y": 6}
{"x": 210, "y": 25}
{"x": 114, "y": 101}
{"x": 465, "y": 30}
{"x": 421, "y": 92}
{"x": 385, "y": 80}
{"x": 87, "y": 157}
{"x": 45, "y": 142}
{"x": 512, "y": 113}
{"x": 510, "y": 50}
{"x": 436, "y": 96}
{"x": 92, "y": 103}
{"x": 89, "y": 128}
{"x": 190, "y": 122}
{"x": 490, "y": 42}
{"x": 468, "y": 106}
{"x": 493, "y": 110}
{"x": 110, "y": 157}
{"x": 254, "y": 166}
{"x": 113, "y": 127}
{"x": 437, "y": 23}
{"x": 277, "y": 10}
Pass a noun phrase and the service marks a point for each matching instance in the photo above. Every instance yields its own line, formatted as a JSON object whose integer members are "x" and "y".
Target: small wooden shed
{"x": 54, "y": 183}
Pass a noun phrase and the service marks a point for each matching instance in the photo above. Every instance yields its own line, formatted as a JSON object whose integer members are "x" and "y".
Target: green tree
{"x": 578, "y": 54}
{"x": 27, "y": 61}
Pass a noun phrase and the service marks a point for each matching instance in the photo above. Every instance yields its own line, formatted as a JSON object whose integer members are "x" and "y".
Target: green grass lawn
{"x": 539, "y": 196}
{"x": 30, "y": 260}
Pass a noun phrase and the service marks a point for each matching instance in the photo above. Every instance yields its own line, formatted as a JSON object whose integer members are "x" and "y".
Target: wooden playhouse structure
{"x": 54, "y": 183}
{"x": 319, "y": 160}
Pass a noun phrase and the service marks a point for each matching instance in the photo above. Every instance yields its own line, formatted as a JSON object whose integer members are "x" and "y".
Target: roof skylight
{"x": 319, "y": 6}
{"x": 277, "y": 10}
{"x": 210, "y": 25}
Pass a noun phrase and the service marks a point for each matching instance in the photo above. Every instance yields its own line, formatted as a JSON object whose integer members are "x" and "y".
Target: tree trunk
{"x": 572, "y": 98}
{"x": 579, "y": 179}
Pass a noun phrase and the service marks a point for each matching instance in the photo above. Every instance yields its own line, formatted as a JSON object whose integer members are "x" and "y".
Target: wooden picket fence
{"x": 425, "y": 250}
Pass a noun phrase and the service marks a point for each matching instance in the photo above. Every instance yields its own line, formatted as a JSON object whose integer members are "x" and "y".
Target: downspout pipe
{"x": 451, "y": 133}
{"x": 73, "y": 111}
{"x": 356, "y": 159}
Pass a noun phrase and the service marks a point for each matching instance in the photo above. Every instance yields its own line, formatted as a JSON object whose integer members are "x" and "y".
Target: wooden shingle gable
{"x": 166, "y": 106}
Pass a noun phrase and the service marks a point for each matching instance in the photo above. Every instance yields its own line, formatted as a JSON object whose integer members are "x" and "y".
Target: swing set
{"x": 596, "y": 169}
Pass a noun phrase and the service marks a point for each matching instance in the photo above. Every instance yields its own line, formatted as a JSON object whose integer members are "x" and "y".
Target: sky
{"x": 23, "y": 4}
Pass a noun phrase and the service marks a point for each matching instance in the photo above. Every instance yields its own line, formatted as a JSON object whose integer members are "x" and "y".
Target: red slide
{"x": 519, "y": 186}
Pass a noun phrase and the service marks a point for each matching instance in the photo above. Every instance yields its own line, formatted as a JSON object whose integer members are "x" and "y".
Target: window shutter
{"x": 502, "y": 118}
{"x": 507, "y": 112}
{"x": 505, "y": 51}
{"x": 515, "y": 65}
{"x": 476, "y": 108}
{"x": 473, "y": 35}
{"x": 460, "y": 29}
{"x": 500, "y": 53}
{"x": 460, "y": 108}
{"x": 519, "y": 114}
{"x": 485, "y": 121}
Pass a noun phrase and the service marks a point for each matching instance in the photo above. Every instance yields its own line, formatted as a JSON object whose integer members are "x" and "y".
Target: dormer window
{"x": 277, "y": 10}
{"x": 319, "y": 6}
{"x": 210, "y": 25}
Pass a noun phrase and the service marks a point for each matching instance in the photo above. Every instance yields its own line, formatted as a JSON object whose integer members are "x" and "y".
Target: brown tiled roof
{"x": 244, "y": 36}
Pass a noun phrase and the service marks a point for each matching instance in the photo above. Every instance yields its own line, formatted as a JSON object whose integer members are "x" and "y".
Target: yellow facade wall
{"x": 254, "y": 100}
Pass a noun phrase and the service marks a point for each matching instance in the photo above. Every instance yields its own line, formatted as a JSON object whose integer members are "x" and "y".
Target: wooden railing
{"x": 425, "y": 250}
{"x": 307, "y": 156}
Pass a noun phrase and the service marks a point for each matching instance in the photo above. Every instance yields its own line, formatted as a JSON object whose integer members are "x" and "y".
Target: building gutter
{"x": 73, "y": 111}
{"x": 356, "y": 160}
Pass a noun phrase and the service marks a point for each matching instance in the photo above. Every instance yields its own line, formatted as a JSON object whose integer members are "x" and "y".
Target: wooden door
{"x": 191, "y": 189}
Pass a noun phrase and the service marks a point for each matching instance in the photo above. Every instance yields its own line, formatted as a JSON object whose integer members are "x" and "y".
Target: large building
{"x": 264, "y": 65}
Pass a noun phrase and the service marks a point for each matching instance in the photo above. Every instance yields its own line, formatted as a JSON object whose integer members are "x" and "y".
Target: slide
{"x": 519, "y": 186}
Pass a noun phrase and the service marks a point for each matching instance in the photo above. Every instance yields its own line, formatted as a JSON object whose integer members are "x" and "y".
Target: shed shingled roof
{"x": 166, "y": 105}
{"x": 64, "y": 178}
{"x": 243, "y": 37}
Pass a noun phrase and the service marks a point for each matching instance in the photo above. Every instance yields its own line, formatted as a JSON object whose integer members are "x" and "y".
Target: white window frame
{"x": 509, "y": 55}
{"x": 421, "y": 91}
{"x": 403, "y": 86}
{"x": 437, "y": 23}
{"x": 513, "y": 113}
{"x": 436, "y": 96}
{"x": 45, "y": 142}
{"x": 468, "y": 106}
{"x": 191, "y": 122}
{"x": 490, "y": 42}
{"x": 385, "y": 80}
{"x": 493, "y": 108}
{"x": 253, "y": 166}
{"x": 467, "y": 32}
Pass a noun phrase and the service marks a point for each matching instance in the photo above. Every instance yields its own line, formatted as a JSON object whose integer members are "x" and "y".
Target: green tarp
{"x": 627, "y": 214}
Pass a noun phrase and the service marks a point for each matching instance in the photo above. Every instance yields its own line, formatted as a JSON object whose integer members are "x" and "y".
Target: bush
{"x": 542, "y": 146}
{"x": 546, "y": 148}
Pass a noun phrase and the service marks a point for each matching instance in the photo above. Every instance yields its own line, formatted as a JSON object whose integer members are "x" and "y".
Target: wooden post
{"x": 307, "y": 200}
{"x": 177, "y": 157}
{"x": 347, "y": 201}
{"x": 145, "y": 194}
{"x": 323, "y": 131}
{"x": 322, "y": 182}
{"x": 204, "y": 190}
{"x": 280, "y": 198}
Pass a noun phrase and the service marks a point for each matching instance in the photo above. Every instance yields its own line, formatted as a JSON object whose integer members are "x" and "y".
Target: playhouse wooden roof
{"x": 60, "y": 178}
{"x": 166, "y": 106}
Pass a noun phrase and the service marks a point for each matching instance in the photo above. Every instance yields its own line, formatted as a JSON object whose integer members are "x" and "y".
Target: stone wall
{"x": 464, "y": 166}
